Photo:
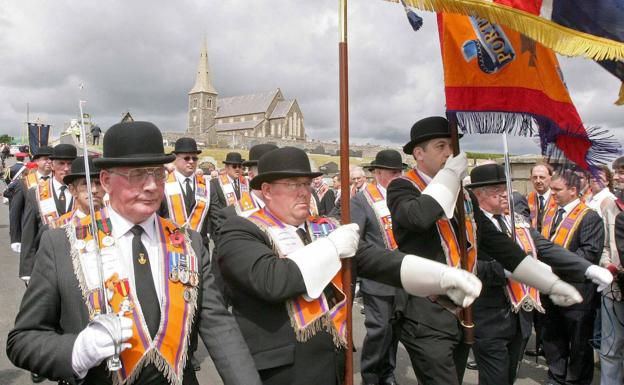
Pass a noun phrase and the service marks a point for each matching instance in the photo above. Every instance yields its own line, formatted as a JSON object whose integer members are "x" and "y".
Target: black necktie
{"x": 237, "y": 188}
{"x": 189, "y": 197}
{"x": 62, "y": 208}
{"x": 501, "y": 223}
{"x": 144, "y": 282}
{"x": 557, "y": 221}
{"x": 45, "y": 177}
{"x": 540, "y": 212}
{"x": 328, "y": 290}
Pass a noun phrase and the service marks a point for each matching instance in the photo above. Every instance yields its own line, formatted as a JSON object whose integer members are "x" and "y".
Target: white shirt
{"x": 426, "y": 177}
{"x": 596, "y": 200}
{"x": 123, "y": 237}
{"x": 57, "y": 190}
{"x": 546, "y": 196}
{"x": 491, "y": 217}
{"x": 182, "y": 180}
{"x": 259, "y": 201}
{"x": 568, "y": 208}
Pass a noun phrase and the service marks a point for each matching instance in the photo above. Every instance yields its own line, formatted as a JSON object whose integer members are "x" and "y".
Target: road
{"x": 12, "y": 290}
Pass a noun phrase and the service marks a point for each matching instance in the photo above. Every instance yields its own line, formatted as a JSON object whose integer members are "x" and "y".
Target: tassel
{"x": 415, "y": 21}
{"x": 620, "y": 101}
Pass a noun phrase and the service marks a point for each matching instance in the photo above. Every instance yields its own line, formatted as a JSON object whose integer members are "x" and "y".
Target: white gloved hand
{"x": 458, "y": 164}
{"x": 346, "y": 239}
{"x": 16, "y": 247}
{"x": 423, "y": 277}
{"x": 94, "y": 344}
{"x": 600, "y": 276}
{"x": 564, "y": 294}
{"x": 26, "y": 279}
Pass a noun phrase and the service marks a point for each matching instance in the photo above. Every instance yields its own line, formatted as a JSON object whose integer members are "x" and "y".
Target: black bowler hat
{"x": 487, "y": 175}
{"x": 257, "y": 151}
{"x": 287, "y": 162}
{"x": 43, "y": 151}
{"x": 387, "y": 159}
{"x": 425, "y": 129}
{"x": 186, "y": 145}
{"x": 64, "y": 151}
{"x": 133, "y": 144}
{"x": 78, "y": 170}
{"x": 233, "y": 158}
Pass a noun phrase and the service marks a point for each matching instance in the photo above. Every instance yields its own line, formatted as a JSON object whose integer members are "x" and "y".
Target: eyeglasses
{"x": 138, "y": 176}
{"x": 189, "y": 158}
{"x": 236, "y": 165}
{"x": 294, "y": 186}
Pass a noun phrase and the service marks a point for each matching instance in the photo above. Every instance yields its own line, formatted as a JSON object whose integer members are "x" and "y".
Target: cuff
{"x": 318, "y": 263}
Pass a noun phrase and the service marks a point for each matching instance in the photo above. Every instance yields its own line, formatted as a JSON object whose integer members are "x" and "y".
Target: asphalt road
{"x": 12, "y": 289}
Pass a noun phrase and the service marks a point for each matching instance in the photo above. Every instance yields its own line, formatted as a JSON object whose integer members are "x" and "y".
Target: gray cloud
{"x": 142, "y": 56}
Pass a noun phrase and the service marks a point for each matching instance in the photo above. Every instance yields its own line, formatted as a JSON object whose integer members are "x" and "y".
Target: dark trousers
{"x": 438, "y": 358}
{"x": 498, "y": 357}
{"x": 567, "y": 335}
{"x": 96, "y": 140}
{"x": 379, "y": 349}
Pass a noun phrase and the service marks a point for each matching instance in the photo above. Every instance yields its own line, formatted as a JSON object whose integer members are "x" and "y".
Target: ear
{"x": 266, "y": 189}
{"x": 105, "y": 180}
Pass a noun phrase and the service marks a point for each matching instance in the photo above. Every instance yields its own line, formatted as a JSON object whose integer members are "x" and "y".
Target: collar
{"x": 182, "y": 179}
{"x": 382, "y": 189}
{"x": 255, "y": 195}
{"x": 570, "y": 206}
{"x": 79, "y": 213}
{"x": 604, "y": 193}
{"x": 426, "y": 177}
{"x": 121, "y": 225}
{"x": 546, "y": 195}
{"x": 232, "y": 179}
{"x": 57, "y": 185}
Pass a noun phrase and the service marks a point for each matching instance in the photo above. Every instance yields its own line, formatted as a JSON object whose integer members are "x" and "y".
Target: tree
{"x": 4, "y": 138}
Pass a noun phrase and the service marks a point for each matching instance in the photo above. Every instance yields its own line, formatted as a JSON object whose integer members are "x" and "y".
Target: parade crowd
{"x": 250, "y": 264}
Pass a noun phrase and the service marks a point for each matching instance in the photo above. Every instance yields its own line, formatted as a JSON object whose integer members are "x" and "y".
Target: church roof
{"x": 282, "y": 108}
{"x": 235, "y": 126}
{"x": 245, "y": 104}
{"x": 202, "y": 80}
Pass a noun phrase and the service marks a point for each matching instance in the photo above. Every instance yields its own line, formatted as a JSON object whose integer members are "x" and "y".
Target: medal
{"x": 187, "y": 294}
{"x": 194, "y": 279}
{"x": 108, "y": 241}
{"x": 184, "y": 276}
{"x": 90, "y": 245}
{"x": 79, "y": 244}
{"x": 173, "y": 275}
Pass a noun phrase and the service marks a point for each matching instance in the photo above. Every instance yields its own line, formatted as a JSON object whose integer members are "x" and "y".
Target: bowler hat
{"x": 387, "y": 159}
{"x": 425, "y": 129}
{"x": 43, "y": 151}
{"x": 233, "y": 158}
{"x": 257, "y": 151}
{"x": 186, "y": 145}
{"x": 287, "y": 162}
{"x": 64, "y": 151}
{"x": 487, "y": 175}
{"x": 133, "y": 144}
{"x": 78, "y": 170}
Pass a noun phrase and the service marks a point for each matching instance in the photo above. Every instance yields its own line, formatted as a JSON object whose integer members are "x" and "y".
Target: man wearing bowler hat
{"x": 44, "y": 204}
{"x": 158, "y": 282}
{"x": 370, "y": 211}
{"x": 231, "y": 184}
{"x": 189, "y": 200}
{"x": 502, "y": 313}
{"x": 284, "y": 272}
{"x": 422, "y": 205}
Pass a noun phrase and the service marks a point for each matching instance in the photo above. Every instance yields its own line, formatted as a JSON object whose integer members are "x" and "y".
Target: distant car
{"x": 15, "y": 148}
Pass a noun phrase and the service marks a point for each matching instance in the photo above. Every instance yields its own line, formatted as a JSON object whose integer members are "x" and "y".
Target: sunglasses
{"x": 188, "y": 158}
{"x": 236, "y": 165}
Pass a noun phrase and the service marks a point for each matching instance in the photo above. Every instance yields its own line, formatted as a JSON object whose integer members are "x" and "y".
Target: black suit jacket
{"x": 370, "y": 233}
{"x": 521, "y": 205}
{"x": 31, "y": 233}
{"x": 414, "y": 219}
{"x": 215, "y": 188}
{"x": 326, "y": 204}
{"x": 587, "y": 242}
{"x": 261, "y": 282}
{"x": 53, "y": 312}
{"x": 17, "y": 202}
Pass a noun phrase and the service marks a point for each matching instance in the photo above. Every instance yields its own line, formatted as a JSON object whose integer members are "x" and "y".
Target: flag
{"x": 37, "y": 136}
{"x": 590, "y": 28}
{"x": 498, "y": 80}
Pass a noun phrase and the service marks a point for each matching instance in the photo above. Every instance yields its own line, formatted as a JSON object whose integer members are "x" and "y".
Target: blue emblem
{"x": 491, "y": 48}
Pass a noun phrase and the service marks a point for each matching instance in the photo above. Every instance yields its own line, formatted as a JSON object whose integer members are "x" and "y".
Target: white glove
{"x": 422, "y": 277}
{"x": 26, "y": 279}
{"x": 16, "y": 247}
{"x": 346, "y": 239}
{"x": 458, "y": 164}
{"x": 537, "y": 275}
{"x": 94, "y": 344}
{"x": 444, "y": 187}
{"x": 600, "y": 276}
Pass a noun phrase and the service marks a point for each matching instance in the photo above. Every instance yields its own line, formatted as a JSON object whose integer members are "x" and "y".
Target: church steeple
{"x": 202, "y": 81}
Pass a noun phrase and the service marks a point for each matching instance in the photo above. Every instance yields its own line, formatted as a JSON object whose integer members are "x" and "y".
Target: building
{"x": 266, "y": 115}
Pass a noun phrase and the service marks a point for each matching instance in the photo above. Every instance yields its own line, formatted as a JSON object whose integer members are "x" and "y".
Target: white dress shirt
{"x": 546, "y": 196}
{"x": 57, "y": 190}
{"x": 182, "y": 180}
{"x": 123, "y": 237}
{"x": 568, "y": 208}
{"x": 596, "y": 200}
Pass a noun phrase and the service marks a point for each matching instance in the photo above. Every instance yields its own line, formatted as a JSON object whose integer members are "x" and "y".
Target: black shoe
{"x": 36, "y": 378}
{"x": 472, "y": 365}
{"x": 533, "y": 353}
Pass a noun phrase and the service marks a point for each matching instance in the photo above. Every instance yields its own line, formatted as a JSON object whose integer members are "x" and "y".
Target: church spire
{"x": 203, "y": 82}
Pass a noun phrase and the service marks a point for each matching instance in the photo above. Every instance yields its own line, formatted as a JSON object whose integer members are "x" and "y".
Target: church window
{"x": 194, "y": 118}
{"x": 232, "y": 120}
{"x": 195, "y": 103}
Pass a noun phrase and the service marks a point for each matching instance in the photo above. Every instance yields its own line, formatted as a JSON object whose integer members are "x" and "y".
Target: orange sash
{"x": 313, "y": 207}
{"x": 177, "y": 207}
{"x": 30, "y": 179}
{"x": 519, "y": 294}
{"x": 309, "y": 316}
{"x": 228, "y": 189}
{"x": 534, "y": 207}
{"x": 568, "y": 225}
{"x": 63, "y": 219}
{"x": 448, "y": 238}
{"x": 247, "y": 205}
{"x": 45, "y": 201}
{"x": 169, "y": 349}
{"x": 377, "y": 202}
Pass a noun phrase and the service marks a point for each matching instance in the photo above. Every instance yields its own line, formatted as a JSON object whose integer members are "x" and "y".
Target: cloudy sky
{"x": 142, "y": 56}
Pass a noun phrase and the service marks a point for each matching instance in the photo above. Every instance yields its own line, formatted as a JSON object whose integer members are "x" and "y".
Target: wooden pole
{"x": 345, "y": 214}
{"x": 460, "y": 215}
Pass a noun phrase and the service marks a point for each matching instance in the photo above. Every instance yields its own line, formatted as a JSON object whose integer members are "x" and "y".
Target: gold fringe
{"x": 563, "y": 40}
{"x": 620, "y": 101}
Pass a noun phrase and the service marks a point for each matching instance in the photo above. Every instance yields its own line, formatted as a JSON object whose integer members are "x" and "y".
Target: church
{"x": 241, "y": 118}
